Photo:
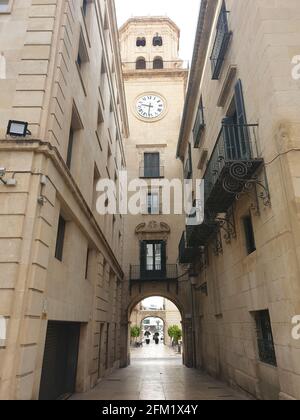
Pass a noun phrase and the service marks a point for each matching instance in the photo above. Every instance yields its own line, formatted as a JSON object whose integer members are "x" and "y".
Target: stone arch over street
{"x": 176, "y": 292}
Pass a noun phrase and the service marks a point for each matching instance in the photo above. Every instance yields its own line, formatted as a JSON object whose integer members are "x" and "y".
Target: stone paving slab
{"x": 162, "y": 377}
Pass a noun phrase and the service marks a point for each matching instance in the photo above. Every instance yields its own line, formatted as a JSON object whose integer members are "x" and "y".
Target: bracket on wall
{"x": 257, "y": 188}
{"x": 217, "y": 242}
{"x": 204, "y": 289}
{"x": 227, "y": 224}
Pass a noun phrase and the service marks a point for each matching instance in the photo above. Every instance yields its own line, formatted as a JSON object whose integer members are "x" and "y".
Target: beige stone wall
{"x": 265, "y": 39}
{"x": 43, "y": 86}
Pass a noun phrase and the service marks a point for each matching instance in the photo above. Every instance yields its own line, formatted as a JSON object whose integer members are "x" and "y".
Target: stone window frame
{"x": 161, "y": 149}
{"x": 8, "y": 9}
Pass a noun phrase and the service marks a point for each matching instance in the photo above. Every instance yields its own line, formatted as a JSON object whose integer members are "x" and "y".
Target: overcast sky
{"x": 184, "y": 14}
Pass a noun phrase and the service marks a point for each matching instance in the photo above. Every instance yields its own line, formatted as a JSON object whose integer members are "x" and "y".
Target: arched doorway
{"x": 150, "y": 321}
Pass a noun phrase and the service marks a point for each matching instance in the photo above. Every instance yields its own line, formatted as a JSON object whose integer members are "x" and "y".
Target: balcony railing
{"x": 223, "y": 36}
{"x": 140, "y": 273}
{"x": 152, "y": 172}
{"x": 233, "y": 163}
{"x": 152, "y": 65}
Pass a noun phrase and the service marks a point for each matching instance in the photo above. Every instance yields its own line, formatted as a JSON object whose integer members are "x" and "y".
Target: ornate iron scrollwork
{"x": 228, "y": 225}
{"x": 237, "y": 183}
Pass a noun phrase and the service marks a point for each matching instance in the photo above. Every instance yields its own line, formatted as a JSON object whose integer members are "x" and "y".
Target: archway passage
{"x": 157, "y": 371}
{"x": 156, "y": 332}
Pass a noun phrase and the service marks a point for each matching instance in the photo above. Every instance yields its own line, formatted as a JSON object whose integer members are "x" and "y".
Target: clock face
{"x": 150, "y": 106}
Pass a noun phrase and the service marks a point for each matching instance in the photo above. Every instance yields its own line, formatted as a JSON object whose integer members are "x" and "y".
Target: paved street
{"x": 157, "y": 373}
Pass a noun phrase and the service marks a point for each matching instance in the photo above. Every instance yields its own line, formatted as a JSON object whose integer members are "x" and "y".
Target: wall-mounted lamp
{"x": 11, "y": 182}
{"x": 17, "y": 129}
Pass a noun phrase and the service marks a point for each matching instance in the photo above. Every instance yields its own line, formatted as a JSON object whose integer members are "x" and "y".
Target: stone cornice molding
{"x": 148, "y": 20}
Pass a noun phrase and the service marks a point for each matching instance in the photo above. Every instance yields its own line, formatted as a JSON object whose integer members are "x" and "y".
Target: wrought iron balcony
{"x": 187, "y": 254}
{"x": 152, "y": 172}
{"x": 222, "y": 39}
{"x": 232, "y": 166}
{"x": 165, "y": 273}
{"x": 198, "y": 236}
{"x": 194, "y": 239}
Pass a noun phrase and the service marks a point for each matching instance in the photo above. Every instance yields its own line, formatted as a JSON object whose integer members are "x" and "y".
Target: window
{"x": 82, "y": 60}
{"x": 85, "y": 7}
{"x": 103, "y": 79}
{"x": 100, "y": 127}
{"x": 157, "y": 41}
{"x": 96, "y": 179}
{"x": 87, "y": 263}
{"x": 199, "y": 124}
{"x": 235, "y": 128}
{"x": 153, "y": 206}
{"x": 158, "y": 63}
{"x": 249, "y": 234}
{"x": 222, "y": 39}
{"x": 152, "y": 165}
{"x": 188, "y": 168}
{"x": 266, "y": 348}
{"x": 82, "y": 56}
{"x": 60, "y": 238}
{"x": 141, "y": 42}
{"x": 5, "y": 6}
{"x": 153, "y": 259}
{"x": 140, "y": 64}
{"x": 70, "y": 148}
{"x": 75, "y": 126}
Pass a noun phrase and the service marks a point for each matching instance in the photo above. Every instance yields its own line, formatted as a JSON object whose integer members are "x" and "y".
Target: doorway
{"x": 59, "y": 370}
{"x": 153, "y": 260}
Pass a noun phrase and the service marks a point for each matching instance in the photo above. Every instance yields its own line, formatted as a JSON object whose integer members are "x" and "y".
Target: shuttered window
{"x": 151, "y": 165}
{"x": 60, "y": 238}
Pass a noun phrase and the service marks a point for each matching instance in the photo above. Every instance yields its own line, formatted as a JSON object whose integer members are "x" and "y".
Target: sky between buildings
{"x": 183, "y": 13}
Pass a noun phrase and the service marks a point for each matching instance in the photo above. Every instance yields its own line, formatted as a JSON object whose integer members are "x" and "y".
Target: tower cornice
{"x": 149, "y": 20}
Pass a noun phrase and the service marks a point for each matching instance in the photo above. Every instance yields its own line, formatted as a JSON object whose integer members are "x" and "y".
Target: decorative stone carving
{"x": 153, "y": 231}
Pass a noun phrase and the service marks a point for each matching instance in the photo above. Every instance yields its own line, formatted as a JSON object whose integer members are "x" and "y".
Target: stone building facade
{"x": 60, "y": 261}
{"x": 240, "y": 133}
{"x": 68, "y": 284}
{"x": 155, "y": 82}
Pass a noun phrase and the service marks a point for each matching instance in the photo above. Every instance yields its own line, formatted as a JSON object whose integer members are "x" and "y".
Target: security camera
{"x": 2, "y": 172}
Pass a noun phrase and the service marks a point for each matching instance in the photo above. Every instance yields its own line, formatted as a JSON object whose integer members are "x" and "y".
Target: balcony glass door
{"x": 153, "y": 259}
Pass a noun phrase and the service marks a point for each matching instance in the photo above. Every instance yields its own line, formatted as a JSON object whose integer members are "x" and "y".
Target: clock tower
{"x": 155, "y": 82}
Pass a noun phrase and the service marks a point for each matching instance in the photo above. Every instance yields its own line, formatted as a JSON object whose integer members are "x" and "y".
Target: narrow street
{"x": 157, "y": 373}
